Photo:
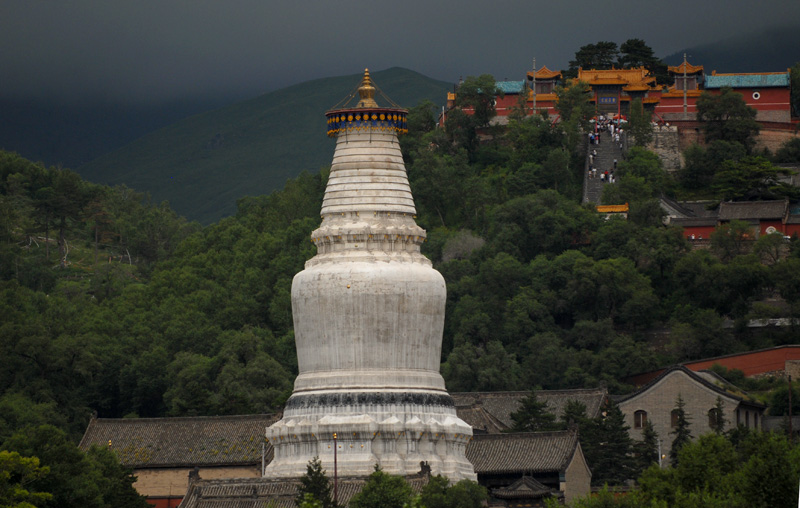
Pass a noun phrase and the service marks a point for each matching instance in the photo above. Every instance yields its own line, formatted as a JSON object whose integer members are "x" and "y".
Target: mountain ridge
{"x": 204, "y": 163}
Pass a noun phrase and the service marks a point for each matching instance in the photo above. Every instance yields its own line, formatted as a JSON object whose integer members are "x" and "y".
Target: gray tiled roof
{"x": 744, "y": 210}
{"x": 189, "y": 442}
{"x": 688, "y": 209}
{"x": 693, "y": 221}
{"x": 241, "y": 493}
{"x": 526, "y": 452}
{"x": 480, "y": 420}
{"x": 261, "y": 492}
{"x": 500, "y": 405}
{"x": 700, "y": 208}
{"x": 524, "y": 488}
{"x": 709, "y": 379}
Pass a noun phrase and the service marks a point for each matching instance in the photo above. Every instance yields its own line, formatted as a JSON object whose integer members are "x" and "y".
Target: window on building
{"x": 714, "y": 418}
{"x": 639, "y": 419}
{"x": 674, "y": 418}
{"x": 747, "y": 419}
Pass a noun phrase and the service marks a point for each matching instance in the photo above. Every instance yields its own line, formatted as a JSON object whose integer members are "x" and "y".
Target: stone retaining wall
{"x": 666, "y": 143}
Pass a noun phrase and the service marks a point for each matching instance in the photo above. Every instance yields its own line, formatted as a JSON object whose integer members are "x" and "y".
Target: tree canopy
{"x": 382, "y": 491}
{"x": 478, "y": 93}
{"x": 726, "y": 117}
{"x": 533, "y": 415}
{"x": 315, "y": 486}
{"x": 607, "y": 54}
{"x": 601, "y": 55}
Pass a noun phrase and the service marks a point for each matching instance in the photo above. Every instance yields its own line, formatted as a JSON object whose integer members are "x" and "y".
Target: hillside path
{"x": 607, "y": 151}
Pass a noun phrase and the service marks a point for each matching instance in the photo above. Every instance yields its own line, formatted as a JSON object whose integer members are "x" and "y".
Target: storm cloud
{"x": 159, "y": 49}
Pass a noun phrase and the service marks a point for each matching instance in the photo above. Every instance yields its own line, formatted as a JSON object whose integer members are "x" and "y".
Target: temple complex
{"x": 613, "y": 90}
{"x": 368, "y": 318}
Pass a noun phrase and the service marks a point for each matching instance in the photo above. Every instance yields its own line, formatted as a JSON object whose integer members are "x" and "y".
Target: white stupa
{"x": 368, "y": 319}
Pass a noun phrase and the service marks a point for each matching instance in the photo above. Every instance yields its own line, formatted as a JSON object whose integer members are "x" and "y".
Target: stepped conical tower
{"x": 368, "y": 319}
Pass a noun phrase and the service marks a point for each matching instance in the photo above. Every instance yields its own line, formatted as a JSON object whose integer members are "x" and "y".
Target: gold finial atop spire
{"x": 367, "y": 92}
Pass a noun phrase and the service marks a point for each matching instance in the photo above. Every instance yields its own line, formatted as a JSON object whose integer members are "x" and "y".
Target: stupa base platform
{"x": 395, "y": 430}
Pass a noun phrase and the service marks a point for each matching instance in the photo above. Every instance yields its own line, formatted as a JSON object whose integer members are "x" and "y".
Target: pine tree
{"x": 609, "y": 448}
{"x": 647, "y": 448}
{"x": 716, "y": 417}
{"x": 316, "y": 484}
{"x": 682, "y": 433}
{"x": 574, "y": 414}
{"x": 533, "y": 415}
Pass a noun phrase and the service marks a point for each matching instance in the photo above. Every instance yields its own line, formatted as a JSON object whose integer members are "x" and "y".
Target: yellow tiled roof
{"x": 638, "y": 76}
{"x": 545, "y": 73}
{"x": 690, "y": 69}
{"x": 612, "y": 208}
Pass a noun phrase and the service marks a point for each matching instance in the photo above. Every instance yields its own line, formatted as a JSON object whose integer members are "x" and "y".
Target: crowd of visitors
{"x": 615, "y": 132}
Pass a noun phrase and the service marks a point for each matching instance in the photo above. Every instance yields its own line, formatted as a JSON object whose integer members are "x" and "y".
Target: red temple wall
{"x": 700, "y": 232}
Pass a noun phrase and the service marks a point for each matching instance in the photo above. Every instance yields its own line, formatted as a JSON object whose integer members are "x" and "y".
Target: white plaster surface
{"x": 368, "y": 316}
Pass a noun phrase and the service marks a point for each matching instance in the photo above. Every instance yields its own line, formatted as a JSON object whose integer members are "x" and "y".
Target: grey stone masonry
{"x": 700, "y": 391}
{"x": 666, "y": 144}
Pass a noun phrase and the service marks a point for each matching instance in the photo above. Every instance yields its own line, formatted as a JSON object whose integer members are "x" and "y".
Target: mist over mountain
{"x": 69, "y": 133}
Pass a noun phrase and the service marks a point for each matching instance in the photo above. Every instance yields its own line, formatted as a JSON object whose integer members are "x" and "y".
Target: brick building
{"x": 553, "y": 459}
{"x": 655, "y": 402}
{"x": 163, "y": 451}
{"x": 764, "y": 217}
{"x": 225, "y": 455}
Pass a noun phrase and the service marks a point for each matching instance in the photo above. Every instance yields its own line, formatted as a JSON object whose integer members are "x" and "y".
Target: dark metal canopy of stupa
{"x": 366, "y": 113}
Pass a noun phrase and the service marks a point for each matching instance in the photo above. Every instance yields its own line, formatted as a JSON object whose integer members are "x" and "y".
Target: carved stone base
{"x": 396, "y": 430}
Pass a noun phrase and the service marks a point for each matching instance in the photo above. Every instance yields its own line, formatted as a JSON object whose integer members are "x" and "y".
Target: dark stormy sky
{"x": 143, "y": 50}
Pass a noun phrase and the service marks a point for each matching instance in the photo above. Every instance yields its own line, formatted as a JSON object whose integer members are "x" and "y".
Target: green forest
{"x": 116, "y": 306}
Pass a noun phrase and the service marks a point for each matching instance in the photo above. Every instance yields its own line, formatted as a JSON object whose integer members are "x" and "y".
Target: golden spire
{"x": 367, "y": 92}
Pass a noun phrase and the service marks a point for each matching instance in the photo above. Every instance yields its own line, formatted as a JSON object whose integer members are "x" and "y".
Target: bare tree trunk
{"x": 65, "y": 254}
{"x": 62, "y": 246}
{"x": 47, "y": 236}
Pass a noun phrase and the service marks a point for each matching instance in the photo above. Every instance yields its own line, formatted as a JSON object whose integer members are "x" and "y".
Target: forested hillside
{"x": 117, "y": 305}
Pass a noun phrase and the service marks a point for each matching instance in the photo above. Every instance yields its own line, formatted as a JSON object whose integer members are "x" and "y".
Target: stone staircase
{"x": 607, "y": 151}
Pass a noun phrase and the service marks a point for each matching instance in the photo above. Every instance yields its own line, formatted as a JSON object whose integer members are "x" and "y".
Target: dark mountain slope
{"x": 204, "y": 163}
